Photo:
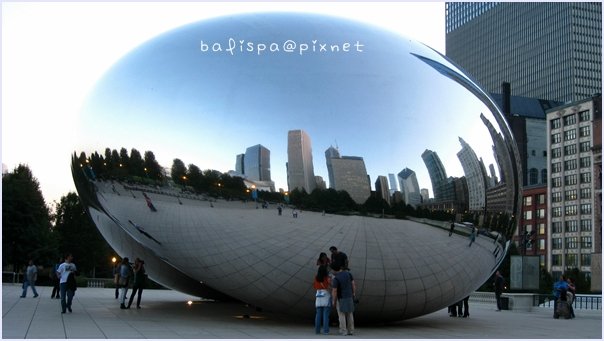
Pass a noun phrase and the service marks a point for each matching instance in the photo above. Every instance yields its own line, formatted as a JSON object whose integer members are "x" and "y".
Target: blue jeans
{"x": 322, "y": 314}
{"x": 26, "y": 283}
{"x": 66, "y": 294}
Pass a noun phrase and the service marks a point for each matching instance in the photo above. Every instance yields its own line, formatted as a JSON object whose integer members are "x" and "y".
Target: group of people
{"x": 335, "y": 287}
{"x": 126, "y": 275}
{"x": 565, "y": 293}
{"x": 64, "y": 282}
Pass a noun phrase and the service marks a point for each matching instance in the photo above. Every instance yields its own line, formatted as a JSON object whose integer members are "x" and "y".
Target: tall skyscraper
{"x": 572, "y": 187}
{"x": 393, "y": 183}
{"x": 437, "y": 173}
{"x": 425, "y": 194}
{"x": 381, "y": 188}
{"x": 331, "y": 153}
{"x": 548, "y": 50}
{"x": 350, "y": 175}
{"x": 475, "y": 177}
{"x": 300, "y": 171}
{"x": 239, "y": 164}
{"x": 257, "y": 163}
{"x": 410, "y": 187}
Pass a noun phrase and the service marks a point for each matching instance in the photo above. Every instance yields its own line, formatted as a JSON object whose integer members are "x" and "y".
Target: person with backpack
{"x": 67, "y": 290}
{"x": 125, "y": 274}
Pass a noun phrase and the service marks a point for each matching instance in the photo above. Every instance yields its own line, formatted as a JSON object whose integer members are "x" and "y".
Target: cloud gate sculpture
{"x": 274, "y": 99}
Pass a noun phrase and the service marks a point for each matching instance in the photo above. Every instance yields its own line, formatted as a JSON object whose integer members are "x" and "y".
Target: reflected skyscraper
{"x": 300, "y": 171}
{"x": 437, "y": 172}
{"x": 239, "y": 164}
{"x": 410, "y": 187}
{"x": 381, "y": 188}
{"x": 349, "y": 174}
{"x": 475, "y": 177}
{"x": 393, "y": 183}
{"x": 331, "y": 153}
{"x": 257, "y": 163}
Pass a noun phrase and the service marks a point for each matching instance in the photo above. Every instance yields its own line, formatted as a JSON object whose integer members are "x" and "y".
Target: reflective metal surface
{"x": 292, "y": 83}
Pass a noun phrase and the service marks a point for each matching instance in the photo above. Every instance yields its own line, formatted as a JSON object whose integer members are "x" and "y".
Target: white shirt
{"x": 64, "y": 270}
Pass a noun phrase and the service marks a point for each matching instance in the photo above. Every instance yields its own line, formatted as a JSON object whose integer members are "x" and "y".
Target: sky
{"x": 53, "y": 54}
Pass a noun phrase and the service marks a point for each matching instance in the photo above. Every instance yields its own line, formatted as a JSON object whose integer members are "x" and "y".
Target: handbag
{"x": 321, "y": 293}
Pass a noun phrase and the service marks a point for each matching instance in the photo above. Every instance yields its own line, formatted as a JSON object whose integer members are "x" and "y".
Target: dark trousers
{"x": 498, "y": 299}
{"x": 139, "y": 290}
{"x": 55, "y": 289}
{"x": 466, "y": 307}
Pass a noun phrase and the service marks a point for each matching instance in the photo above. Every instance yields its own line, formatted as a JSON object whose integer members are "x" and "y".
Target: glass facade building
{"x": 545, "y": 50}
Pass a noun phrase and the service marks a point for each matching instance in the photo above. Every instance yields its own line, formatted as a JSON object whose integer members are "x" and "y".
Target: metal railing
{"x": 10, "y": 277}
{"x": 591, "y": 302}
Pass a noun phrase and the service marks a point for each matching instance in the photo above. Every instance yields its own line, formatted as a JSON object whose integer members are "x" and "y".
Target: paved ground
{"x": 165, "y": 314}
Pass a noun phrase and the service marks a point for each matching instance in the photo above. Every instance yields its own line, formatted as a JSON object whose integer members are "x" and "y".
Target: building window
{"x": 557, "y": 182}
{"x": 541, "y": 244}
{"x": 556, "y": 260}
{"x": 528, "y": 215}
{"x": 556, "y": 211}
{"x": 570, "y": 149}
{"x": 584, "y": 131}
{"x": 533, "y": 176}
{"x": 556, "y": 243}
{"x": 557, "y": 227}
{"x": 570, "y": 134}
{"x": 556, "y": 138}
{"x": 586, "y": 242}
{"x": 572, "y": 243}
{"x": 570, "y": 164}
{"x": 570, "y": 194}
{"x": 570, "y": 180}
{"x": 544, "y": 176}
{"x": 585, "y": 225}
{"x": 556, "y": 196}
{"x": 585, "y": 146}
{"x": 570, "y": 119}
{"x": 585, "y": 162}
{"x": 528, "y": 201}
{"x": 556, "y": 167}
{"x": 541, "y": 228}
{"x": 556, "y": 152}
{"x": 571, "y": 260}
{"x": 541, "y": 213}
{"x": 555, "y": 123}
{"x": 585, "y": 208}
{"x": 541, "y": 199}
{"x": 586, "y": 259}
{"x": 570, "y": 210}
{"x": 584, "y": 116}
{"x": 585, "y": 178}
{"x": 585, "y": 193}
{"x": 570, "y": 226}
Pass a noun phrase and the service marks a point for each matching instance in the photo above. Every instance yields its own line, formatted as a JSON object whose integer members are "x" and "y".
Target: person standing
{"x": 498, "y": 284}
{"x": 472, "y": 236}
{"x": 125, "y": 276}
{"x": 139, "y": 282}
{"x": 323, "y": 259}
{"x": 31, "y": 275}
{"x": 452, "y": 228}
{"x": 571, "y": 295}
{"x": 65, "y": 269}
{"x": 338, "y": 259}
{"x": 55, "y": 280}
{"x": 343, "y": 292}
{"x": 323, "y": 299}
{"x": 560, "y": 290}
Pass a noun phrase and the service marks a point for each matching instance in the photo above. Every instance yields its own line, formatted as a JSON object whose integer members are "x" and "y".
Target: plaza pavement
{"x": 165, "y": 314}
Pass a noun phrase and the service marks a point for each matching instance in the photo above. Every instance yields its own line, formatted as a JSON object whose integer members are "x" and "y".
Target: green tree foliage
{"x": 26, "y": 228}
{"x": 77, "y": 234}
{"x": 153, "y": 170}
{"x": 136, "y": 165}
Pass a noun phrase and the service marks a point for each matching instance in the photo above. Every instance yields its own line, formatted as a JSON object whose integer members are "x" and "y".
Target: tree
{"x": 78, "y": 235}
{"x": 178, "y": 171}
{"x": 136, "y": 165}
{"x": 152, "y": 167}
{"x": 26, "y": 228}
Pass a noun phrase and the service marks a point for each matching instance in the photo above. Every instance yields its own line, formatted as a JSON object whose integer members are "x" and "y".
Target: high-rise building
{"x": 393, "y": 183}
{"x": 300, "y": 171}
{"x": 549, "y": 50}
{"x": 331, "y": 153}
{"x": 239, "y": 164}
{"x": 475, "y": 177}
{"x": 257, "y": 163}
{"x": 350, "y": 175}
{"x": 572, "y": 186}
{"x": 425, "y": 194}
{"x": 410, "y": 187}
{"x": 437, "y": 173}
{"x": 381, "y": 188}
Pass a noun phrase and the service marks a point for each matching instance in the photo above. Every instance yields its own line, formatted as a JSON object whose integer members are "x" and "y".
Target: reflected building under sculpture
{"x": 410, "y": 187}
{"x": 475, "y": 177}
{"x": 217, "y": 244}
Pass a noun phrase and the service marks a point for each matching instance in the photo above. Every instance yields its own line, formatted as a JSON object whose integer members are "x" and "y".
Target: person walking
{"x": 452, "y": 228}
{"x": 31, "y": 275}
{"x": 498, "y": 284}
{"x": 322, "y": 284}
{"x": 472, "y": 236}
{"x": 571, "y": 295}
{"x": 560, "y": 290}
{"x": 140, "y": 277}
{"x": 338, "y": 259}
{"x": 65, "y": 269}
{"x": 343, "y": 292}
{"x": 323, "y": 259}
{"x": 56, "y": 291}
{"x": 124, "y": 280}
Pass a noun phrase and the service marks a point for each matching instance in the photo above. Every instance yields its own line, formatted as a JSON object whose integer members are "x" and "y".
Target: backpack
{"x": 71, "y": 282}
